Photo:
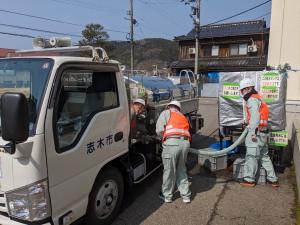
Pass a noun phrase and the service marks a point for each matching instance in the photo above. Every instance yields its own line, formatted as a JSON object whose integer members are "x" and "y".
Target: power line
{"x": 157, "y": 10}
{"x": 262, "y": 16}
{"x": 55, "y": 20}
{"x": 39, "y": 30}
{"x": 141, "y": 31}
{"x": 153, "y": 30}
{"x": 17, "y": 35}
{"x": 162, "y": 2}
{"x": 83, "y": 5}
{"x": 238, "y": 14}
{"x": 92, "y": 4}
{"x": 41, "y": 18}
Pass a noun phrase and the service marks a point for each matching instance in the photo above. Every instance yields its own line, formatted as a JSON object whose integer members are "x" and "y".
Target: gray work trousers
{"x": 174, "y": 157}
{"x": 258, "y": 151}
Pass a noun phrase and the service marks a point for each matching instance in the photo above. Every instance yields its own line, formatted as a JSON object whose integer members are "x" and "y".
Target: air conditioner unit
{"x": 252, "y": 48}
{"x": 192, "y": 51}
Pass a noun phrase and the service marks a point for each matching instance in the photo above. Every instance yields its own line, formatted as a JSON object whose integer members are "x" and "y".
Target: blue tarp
{"x": 213, "y": 77}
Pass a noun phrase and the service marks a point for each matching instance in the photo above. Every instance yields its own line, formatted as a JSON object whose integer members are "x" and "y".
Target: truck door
{"x": 86, "y": 126}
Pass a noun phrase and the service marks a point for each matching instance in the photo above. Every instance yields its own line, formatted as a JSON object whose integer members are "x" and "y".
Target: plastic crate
{"x": 213, "y": 163}
{"x": 226, "y": 143}
{"x": 238, "y": 171}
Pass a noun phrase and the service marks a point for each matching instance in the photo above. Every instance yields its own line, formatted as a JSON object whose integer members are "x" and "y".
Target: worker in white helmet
{"x": 137, "y": 108}
{"x": 173, "y": 128}
{"x": 256, "y": 140}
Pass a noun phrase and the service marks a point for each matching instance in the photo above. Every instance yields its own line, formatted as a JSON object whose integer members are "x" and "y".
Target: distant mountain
{"x": 148, "y": 52}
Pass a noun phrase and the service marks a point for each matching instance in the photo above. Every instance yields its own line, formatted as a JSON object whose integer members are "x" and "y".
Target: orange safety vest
{"x": 263, "y": 111}
{"x": 178, "y": 125}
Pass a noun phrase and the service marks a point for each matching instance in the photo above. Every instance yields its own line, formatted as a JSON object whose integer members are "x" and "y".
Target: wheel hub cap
{"x": 106, "y": 199}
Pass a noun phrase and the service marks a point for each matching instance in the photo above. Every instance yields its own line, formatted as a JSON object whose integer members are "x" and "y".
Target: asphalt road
{"x": 216, "y": 198}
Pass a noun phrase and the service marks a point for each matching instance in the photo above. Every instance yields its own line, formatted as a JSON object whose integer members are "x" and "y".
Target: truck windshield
{"x": 27, "y": 76}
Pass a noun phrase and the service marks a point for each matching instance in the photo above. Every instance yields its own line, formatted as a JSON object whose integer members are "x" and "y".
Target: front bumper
{"x": 7, "y": 221}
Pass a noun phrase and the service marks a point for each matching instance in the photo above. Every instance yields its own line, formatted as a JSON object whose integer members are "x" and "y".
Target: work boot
{"x": 186, "y": 200}
{"x": 245, "y": 183}
{"x": 274, "y": 184}
{"x": 162, "y": 197}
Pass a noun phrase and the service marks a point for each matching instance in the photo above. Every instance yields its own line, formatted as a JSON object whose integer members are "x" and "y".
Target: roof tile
{"x": 228, "y": 29}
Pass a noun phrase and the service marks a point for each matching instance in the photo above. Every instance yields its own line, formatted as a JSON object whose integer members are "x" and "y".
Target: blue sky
{"x": 156, "y": 18}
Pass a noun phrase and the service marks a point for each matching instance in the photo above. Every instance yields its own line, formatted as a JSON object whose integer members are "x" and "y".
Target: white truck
{"x": 186, "y": 80}
{"x": 65, "y": 148}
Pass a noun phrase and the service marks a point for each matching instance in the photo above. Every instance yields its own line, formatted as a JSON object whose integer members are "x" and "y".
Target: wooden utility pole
{"x": 132, "y": 22}
{"x": 197, "y": 35}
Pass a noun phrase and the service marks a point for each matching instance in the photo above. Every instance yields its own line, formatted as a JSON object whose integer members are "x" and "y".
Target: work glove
{"x": 146, "y": 139}
{"x": 157, "y": 138}
{"x": 244, "y": 125}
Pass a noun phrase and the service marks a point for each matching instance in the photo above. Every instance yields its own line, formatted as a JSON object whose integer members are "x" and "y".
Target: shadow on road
{"x": 143, "y": 200}
{"x": 202, "y": 179}
{"x": 140, "y": 203}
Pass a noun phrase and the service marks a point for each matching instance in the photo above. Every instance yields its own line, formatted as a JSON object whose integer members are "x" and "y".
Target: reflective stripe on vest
{"x": 263, "y": 111}
{"x": 177, "y": 125}
{"x": 264, "y": 122}
{"x": 177, "y": 131}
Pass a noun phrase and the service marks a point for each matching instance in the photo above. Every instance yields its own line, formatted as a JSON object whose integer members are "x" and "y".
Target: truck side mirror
{"x": 14, "y": 119}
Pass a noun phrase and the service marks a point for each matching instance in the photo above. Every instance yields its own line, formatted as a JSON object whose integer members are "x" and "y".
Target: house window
{"x": 243, "y": 48}
{"x": 215, "y": 50}
{"x": 207, "y": 50}
{"x": 238, "y": 49}
{"x": 234, "y": 49}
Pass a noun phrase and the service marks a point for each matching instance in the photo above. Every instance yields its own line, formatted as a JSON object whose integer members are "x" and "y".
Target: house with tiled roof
{"x": 240, "y": 46}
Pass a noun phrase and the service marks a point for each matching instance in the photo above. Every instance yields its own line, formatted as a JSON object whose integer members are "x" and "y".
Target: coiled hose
{"x": 212, "y": 152}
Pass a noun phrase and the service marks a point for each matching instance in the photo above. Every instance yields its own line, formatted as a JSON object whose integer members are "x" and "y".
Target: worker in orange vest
{"x": 257, "y": 138}
{"x": 173, "y": 127}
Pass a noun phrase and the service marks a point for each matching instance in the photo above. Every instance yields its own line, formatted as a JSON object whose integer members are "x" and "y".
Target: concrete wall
{"x": 296, "y": 151}
{"x": 284, "y": 46}
{"x": 292, "y": 113}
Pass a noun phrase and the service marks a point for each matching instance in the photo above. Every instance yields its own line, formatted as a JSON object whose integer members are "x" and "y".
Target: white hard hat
{"x": 139, "y": 100}
{"x": 176, "y": 103}
{"x": 246, "y": 82}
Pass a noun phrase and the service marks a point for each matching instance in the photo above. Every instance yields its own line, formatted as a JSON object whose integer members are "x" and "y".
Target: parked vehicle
{"x": 156, "y": 88}
{"x": 65, "y": 145}
{"x": 186, "y": 80}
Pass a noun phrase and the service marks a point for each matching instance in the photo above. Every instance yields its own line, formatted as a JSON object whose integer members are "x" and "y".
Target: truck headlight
{"x": 30, "y": 203}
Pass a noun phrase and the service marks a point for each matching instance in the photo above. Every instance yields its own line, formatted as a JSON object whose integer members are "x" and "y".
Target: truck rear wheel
{"x": 106, "y": 198}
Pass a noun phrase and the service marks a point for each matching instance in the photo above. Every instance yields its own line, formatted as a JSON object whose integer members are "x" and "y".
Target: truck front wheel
{"x": 106, "y": 198}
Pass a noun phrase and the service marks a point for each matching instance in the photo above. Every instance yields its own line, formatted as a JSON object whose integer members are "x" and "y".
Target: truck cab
{"x": 65, "y": 138}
